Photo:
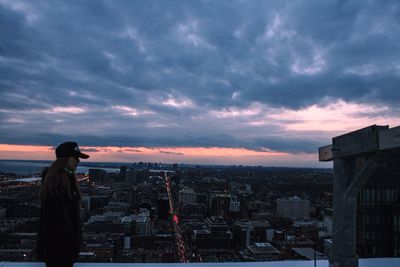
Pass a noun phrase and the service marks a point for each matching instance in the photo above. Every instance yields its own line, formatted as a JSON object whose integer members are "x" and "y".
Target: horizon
{"x": 217, "y": 156}
{"x": 165, "y": 163}
{"x": 227, "y": 82}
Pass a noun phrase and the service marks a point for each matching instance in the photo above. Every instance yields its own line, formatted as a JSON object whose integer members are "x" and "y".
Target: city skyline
{"x": 227, "y": 82}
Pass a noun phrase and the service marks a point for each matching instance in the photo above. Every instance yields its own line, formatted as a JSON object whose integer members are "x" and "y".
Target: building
{"x": 220, "y": 205}
{"x": 163, "y": 208}
{"x": 293, "y": 207}
{"x": 140, "y": 224}
{"x": 97, "y": 176}
{"x": 263, "y": 251}
{"x": 242, "y": 233}
{"x": 98, "y": 202}
{"x": 122, "y": 172}
{"x": 193, "y": 211}
{"x": 216, "y": 235}
{"x": 142, "y": 175}
{"x": 327, "y": 218}
{"x": 130, "y": 177}
{"x": 202, "y": 198}
{"x": 246, "y": 232}
{"x": 327, "y": 247}
{"x": 308, "y": 253}
{"x": 234, "y": 206}
{"x": 17, "y": 254}
{"x": 2, "y": 212}
{"x": 187, "y": 196}
{"x": 85, "y": 202}
{"x": 378, "y": 211}
{"x": 117, "y": 206}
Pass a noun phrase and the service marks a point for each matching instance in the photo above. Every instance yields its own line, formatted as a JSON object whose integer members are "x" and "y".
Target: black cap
{"x": 70, "y": 149}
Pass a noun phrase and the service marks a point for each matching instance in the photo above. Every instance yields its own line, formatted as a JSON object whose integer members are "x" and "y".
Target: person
{"x": 59, "y": 235}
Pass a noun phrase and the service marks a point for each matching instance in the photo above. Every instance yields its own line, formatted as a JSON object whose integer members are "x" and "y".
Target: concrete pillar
{"x": 343, "y": 252}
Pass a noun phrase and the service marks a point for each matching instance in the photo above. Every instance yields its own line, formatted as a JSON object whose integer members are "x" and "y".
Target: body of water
{"x": 33, "y": 167}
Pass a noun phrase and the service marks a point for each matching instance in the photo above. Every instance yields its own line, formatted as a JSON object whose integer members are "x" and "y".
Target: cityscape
{"x": 229, "y": 133}
{"x": 149, "y": 212}
{"x": 154, "y": 212}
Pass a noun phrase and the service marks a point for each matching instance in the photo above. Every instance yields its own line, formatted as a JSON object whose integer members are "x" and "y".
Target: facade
{"x": 220, "y": 205}
{"x": 242, "y": 233}
{"x": 293, "y": 207}
{"x": 396, "y": 232}
{"x": 378, "y": 211}
{"x": 216, "y": 235}
{"x": 234, "y": 206}
{"x": 187, "y": 196}
{"x": 141, "y": 224}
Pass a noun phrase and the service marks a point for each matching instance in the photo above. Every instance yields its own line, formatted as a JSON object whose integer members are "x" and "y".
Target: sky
{"x": 208, "y": 82}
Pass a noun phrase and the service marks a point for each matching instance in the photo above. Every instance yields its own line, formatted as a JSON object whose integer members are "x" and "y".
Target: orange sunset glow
{"x": 200, "y": 155}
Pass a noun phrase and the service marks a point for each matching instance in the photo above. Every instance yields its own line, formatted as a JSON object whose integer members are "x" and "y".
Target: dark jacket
{"x": 59, "y": 234}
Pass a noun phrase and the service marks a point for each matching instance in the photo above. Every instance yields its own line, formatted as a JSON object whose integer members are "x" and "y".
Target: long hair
{"x": 55, "y": 181}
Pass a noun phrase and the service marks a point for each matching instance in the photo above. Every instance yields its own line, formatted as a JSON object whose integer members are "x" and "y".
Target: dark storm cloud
{"x": 141, "y": 74}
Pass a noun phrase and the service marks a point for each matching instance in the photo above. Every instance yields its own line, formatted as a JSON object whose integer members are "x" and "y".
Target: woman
{"x": 60, "y": 236}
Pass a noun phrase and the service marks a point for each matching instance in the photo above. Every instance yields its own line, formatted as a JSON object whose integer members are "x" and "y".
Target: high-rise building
{"x": 293, "y": 207}
{"x": 378, "y": 212}
{"x": 220, "y": 204}
{"x": 242, "y": 233}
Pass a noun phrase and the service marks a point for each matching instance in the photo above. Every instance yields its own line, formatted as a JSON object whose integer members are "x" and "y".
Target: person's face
{"x": 73, "y": 163}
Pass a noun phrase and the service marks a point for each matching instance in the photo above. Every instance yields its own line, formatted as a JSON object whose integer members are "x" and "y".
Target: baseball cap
{"x": 70, "y": 149}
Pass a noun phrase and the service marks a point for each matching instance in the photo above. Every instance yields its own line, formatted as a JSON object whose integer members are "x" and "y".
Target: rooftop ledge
{"x": 372, "y": 262}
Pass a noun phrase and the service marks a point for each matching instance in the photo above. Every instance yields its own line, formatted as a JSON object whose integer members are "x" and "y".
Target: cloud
{"x": 171, "y": 153}
{"x": 260, "y": 75}
{"x": 90, "y": 149}
{"x": 70, "y": 109}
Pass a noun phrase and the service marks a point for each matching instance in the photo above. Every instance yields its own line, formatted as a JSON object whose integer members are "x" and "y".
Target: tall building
{"x": 294, "y": 207}
{"x": 378, "y": 211}
{"x": 220, "y": 205}
{"x": 234, "y": 208}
